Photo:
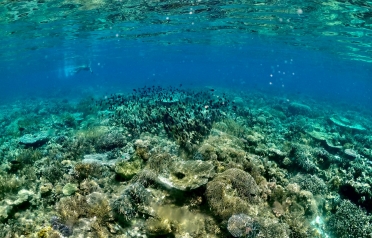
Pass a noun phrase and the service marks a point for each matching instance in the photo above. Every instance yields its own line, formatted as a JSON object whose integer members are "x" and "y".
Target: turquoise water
{"x": 185, "y": 118}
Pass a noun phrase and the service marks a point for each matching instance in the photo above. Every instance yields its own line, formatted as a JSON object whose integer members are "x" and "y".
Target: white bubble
{"x": 299, "y": 11}
{"x": 271, "y": 75}
{"x": 271, "y": 83}
{"x": 167, "y": 18}
{"x": 117, "y": 35}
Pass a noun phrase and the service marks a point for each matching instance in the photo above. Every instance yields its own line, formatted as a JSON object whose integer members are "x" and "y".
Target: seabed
{"x": 182, "y": 162}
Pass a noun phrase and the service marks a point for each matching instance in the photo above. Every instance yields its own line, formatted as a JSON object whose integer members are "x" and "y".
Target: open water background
{"x": 317, "y": 49}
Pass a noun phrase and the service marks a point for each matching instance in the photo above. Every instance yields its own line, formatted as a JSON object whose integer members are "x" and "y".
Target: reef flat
{"x": 180, "y": 162}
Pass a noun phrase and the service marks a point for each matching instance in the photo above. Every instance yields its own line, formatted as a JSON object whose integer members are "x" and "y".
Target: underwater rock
{"x": 34, "y": 140}
{"x": 344, "y": 122}
{"x": 187, "y": 175}
{"x": 299, "y": 109}
{"x": 69, "y": 189}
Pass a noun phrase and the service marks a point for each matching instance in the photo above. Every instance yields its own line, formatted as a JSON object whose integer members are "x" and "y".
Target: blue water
{"x": 259, "y": 63}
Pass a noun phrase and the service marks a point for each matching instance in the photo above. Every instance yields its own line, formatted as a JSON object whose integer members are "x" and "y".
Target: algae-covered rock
{"x": 34, "y": 140}
{"x": 344, "y": 122}
{"x": 127, "y": 169}
{"x": 69, "y": 189}
{"x": 187, "y": 175}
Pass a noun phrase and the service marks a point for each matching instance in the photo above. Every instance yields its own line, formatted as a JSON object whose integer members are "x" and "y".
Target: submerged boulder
{"x": 187, "y": 175}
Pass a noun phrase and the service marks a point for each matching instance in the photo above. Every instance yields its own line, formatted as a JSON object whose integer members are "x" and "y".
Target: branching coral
{"x": 350, "y": 221}
{"x": 311, "y": 183}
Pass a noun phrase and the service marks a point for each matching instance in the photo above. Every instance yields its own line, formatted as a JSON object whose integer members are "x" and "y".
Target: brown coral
{"x": 232, "y": 192}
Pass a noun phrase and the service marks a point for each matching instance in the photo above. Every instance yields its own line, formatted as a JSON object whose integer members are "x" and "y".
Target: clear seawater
{"x": 317, "y": 53}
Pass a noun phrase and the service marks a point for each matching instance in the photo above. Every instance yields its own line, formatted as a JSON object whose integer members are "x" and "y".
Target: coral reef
{"x": 350, "y": 221}
{"x": 174, "y": 162}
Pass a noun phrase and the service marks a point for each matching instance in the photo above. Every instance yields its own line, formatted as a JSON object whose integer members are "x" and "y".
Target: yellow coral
{"x": 43, "y": 233}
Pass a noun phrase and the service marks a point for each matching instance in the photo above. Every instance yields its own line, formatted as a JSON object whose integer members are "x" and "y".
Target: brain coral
{"x": 232, "y": 192}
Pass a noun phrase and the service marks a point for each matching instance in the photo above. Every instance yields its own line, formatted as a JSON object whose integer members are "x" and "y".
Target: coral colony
{"x": 178, "y": 162}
